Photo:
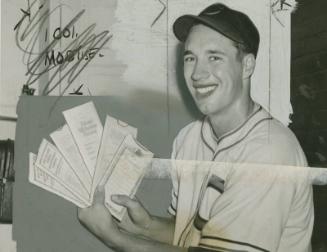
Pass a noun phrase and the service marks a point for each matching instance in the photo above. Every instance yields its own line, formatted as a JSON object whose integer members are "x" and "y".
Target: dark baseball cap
{"x": 233, "y": 24}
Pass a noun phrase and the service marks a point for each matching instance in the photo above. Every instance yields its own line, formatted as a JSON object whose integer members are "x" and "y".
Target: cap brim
{"x": 183, "y": 25}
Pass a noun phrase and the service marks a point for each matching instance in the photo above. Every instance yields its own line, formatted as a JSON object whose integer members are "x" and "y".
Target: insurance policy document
{"x": 52, "y": 161}
{"x": 86, "y": 128}
{"x": 125, "y": 173}
{"x": 114, "y": 133}
{"x": 44, "y": 180}
{"x": 64, "y": 140}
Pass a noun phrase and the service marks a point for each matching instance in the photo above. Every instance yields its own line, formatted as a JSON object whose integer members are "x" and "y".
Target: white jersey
{"x": 229, "y": 207}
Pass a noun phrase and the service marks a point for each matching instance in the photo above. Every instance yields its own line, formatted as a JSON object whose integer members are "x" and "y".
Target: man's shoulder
{"x": 191, "y": 128}
{"x": 276, "y": 143}
{"x": 274, "y": 133}
{"x": 188, "y": 137}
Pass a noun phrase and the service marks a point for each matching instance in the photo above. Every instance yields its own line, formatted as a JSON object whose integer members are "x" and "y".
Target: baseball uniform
{"x": 229, "y": 205}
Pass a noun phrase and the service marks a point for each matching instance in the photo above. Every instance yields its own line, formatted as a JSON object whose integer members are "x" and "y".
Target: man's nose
{"x": 200, "y": 71}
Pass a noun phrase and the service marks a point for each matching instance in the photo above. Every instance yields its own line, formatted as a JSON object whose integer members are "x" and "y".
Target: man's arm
{"x": 126, "y": 242}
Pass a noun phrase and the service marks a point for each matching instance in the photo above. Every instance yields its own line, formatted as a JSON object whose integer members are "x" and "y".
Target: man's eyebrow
{"x": 187, "y": 52}
{"x": 215, "y": 52}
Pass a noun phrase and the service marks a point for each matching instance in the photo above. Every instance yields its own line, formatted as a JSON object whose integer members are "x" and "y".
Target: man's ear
{"x": 248, "y": 65}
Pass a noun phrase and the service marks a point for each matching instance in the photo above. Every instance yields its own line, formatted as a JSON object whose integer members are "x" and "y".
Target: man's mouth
{"x": 205, "y": 90}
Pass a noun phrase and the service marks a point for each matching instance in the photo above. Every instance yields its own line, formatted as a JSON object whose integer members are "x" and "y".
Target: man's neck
{"x": 227, "y": 121}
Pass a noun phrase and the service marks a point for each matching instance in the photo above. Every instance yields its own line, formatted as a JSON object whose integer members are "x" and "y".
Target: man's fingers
{"x": 81, "y": 214}
{"x": 124, "y": 200}
{"x": 99, "y": 195}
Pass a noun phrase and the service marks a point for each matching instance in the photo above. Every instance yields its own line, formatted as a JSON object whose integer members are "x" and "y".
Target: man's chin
{"x": 204, "y": 109}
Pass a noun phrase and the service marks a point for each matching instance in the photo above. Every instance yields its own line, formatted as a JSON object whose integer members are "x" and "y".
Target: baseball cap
{"x": 233, "y": 24}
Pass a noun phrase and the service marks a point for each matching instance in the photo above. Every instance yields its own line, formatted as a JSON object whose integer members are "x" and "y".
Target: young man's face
{"x": 212, "y": 70}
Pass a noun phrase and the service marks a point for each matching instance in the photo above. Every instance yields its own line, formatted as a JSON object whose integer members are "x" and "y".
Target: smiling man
{"x": 220, "y": 209}
{"x": 218, "y": 74}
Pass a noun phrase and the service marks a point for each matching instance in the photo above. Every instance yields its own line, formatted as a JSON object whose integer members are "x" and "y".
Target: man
{"x": 220, "y": 209}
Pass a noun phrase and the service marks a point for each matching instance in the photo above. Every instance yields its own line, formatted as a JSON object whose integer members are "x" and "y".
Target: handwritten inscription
{"x": 55, "y": 58}
{"x": 57, "y": 66}
{"x": 164, "y": 7}
{"x": 279, "y": 6}
{"x": 62, "y": 33}
{"x": 77, "y": 91}
{"x": 27, "y": 90}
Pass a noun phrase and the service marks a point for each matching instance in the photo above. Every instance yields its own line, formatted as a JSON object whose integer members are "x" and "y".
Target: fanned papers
{"x": 46, "y": 181}
{"x": 85, "y": 155}
{"x": 64, "y": 140}
{"x": 128, "y": 163}
{"x": 113, "y": 137}
{"x": 86, "y": 128}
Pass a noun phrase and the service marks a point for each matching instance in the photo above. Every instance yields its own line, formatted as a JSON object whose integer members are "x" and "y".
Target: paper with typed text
{"x": 85, "y": 125}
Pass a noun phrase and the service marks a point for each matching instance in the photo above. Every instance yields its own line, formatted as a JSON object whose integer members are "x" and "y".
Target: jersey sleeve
{"x": 297, "y": 236}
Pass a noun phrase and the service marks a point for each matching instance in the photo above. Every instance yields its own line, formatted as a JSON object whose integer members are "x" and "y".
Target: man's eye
{"x": 189, "y": 59}
{"x": 214, "y": 58}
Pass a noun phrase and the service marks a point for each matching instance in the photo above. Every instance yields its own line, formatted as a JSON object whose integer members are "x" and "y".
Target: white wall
{"x": 140, "y": 57}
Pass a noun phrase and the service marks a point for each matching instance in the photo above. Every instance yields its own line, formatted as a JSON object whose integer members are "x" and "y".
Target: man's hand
{"x": 97, "y": 219}
{"x": 138, "y": 220}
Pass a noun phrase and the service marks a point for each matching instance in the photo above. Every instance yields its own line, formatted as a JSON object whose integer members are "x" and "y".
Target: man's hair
{"x": 242, "y": 49}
